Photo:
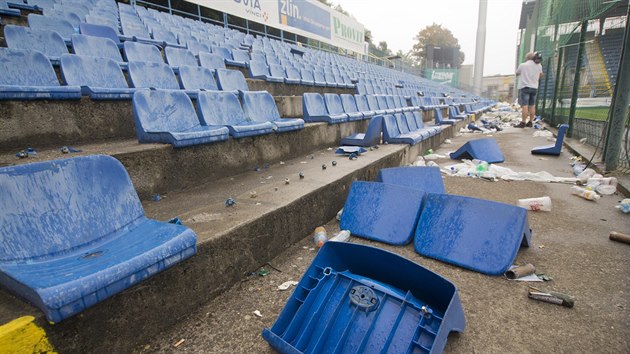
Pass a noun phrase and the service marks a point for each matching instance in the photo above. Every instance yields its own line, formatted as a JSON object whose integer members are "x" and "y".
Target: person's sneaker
{"x": 520, "y": 125}
{"x": 529, "y": 124}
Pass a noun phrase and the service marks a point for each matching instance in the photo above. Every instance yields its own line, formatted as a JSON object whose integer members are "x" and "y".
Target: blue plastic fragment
{"x": 360, "y": 299}
{"x": 348, "y": 150}
{"x": 485, "y": 149}
{"x": 230, "y": 202}
{"x": 554, "y": 149}
{"x": 473, "y": 127}
{"x": 156, "y": 197}
{"x": 175, "y": 221}
{"x": 26, "y": 153}
{"x": 69, "y": 149}
{"x": 427, "y": 179}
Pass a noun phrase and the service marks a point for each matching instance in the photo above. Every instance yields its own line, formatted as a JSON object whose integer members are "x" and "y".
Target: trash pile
{"x": 492, "y": 172}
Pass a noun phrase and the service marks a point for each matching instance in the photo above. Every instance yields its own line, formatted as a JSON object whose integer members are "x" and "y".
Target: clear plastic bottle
{"x": 624, "y": 206}
{"x": 342, "y": 236}
{"x": 585, "y": 193}
{"x": 320, "y": 237}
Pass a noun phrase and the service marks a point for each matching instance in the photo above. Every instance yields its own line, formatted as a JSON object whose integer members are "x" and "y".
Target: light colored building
{"x": 498, "y": 87}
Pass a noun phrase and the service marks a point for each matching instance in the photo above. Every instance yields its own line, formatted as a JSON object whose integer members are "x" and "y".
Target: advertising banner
{"x": 305, "y": 16}
{"x": 443, "y": 76}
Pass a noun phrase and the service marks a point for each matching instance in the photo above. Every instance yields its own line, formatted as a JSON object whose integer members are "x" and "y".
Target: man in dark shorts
{"x": 529, "y": 74}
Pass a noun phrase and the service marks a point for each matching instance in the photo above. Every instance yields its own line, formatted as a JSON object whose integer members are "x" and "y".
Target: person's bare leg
{"x": 532, "y": 113}
{"x": 525, "y": 114}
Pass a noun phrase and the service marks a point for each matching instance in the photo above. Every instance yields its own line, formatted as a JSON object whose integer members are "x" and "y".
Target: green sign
{"x": 443, "y": 76}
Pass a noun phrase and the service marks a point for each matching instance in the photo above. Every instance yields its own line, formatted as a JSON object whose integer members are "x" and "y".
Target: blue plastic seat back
{"x": 211, "y": 61}
{"x": 362, "y": 103}
{"x": 179, "y": 56}
{"x": 292, "y": 73}
{"x": 165, "y": 36}
{"x": 259, "y": 106}
{"x": 426, "y": 179}
{"x": 152, "y": 75}
{"x": 411, "y": 121}
{"x": 333, "y": 103}
{"x": 220, "y": 108}
{"x": 222, "y": 52}
{"x": 100, "y": 30}
{"x": 373, "y": 132}
{"x": 562, "y": 130}
{"x": 26, "y": 68}
{"x": 240, "y": 55}
{"x": 277, "y": 71}
{"x": 349, "y": 103}
{"x": 476, "y": 234}
{"x": 50, "y": 208}
{"x": 373, "y": 103}
{"x": 42, "y": 4}
{"x": 382, "y": 102}
{"x": 382, "y": 212}
{"x": 197, "y": 78}
{"x": 485, "y": 149}
{"x": 256, "y": 55}
{"x": 418, "y": 118}
{"x": 231, "y": 80}
{"x": 96, "y": 20}
{"x": 196, "y": 47}
{"x": 135, "y": 51}
{"x": 89, "y": 71}
{"x": 68, "y": 15}
{"x": 402, "y": 123}
{"x": 307, "y": 75}
{"x": 48, "y": 42}
{"x": 258, "y": 69}
{"x": 390, "y": 127}
{"x": 361, "y": 299}
{"x": 164, "y": 111}
{"x": 63, "y": 27}
{"x": 319, "y": 76}
{"x": 313, "y": 104}
{"x": 391, "y": 103}
{"x": 99, "y": 47}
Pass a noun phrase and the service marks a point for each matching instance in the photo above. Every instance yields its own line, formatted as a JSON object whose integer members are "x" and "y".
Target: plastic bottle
{"x": 624, "y": 206}
{"x": 536, "y": 204}
{"x": 584, "y": 193}
{"x": 342, "y": 236}
{"x": 320, "y": 237}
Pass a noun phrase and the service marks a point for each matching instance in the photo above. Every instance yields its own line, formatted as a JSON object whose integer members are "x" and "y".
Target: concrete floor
{"x": 570, "y": 244}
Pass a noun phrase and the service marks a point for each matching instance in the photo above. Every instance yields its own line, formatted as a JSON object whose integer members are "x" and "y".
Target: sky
{"x": 398, "y": 21}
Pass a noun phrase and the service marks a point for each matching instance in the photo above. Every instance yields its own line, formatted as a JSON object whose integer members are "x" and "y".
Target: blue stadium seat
{"x": 453, "y": 113}
{"x": 222, "y": 108}
{"x": 363, "y": 106}
{"x": 64, "y": 14}
{"x": 330, "y": 79}
{"x": 211, "y": 61}
{"x": 319, "y": 78}
{"x": 238, "y": 58}
{"x": 485, "y": 149}
{"x": 391, "y": 103}
{"x": 259, "y": 106}
{"x": 374, "y": 105}
{"x": 307, "y": 77}
{"x": 439, "y": 120}
{"x": 195, "y": 48}
{"x": 197, "y": 78}
{"x": 393, "y": 134}
{"x": 371, "y": 137}
{"x": 260, "y": 70}
{"x": 5, "y": 10}
{"x": 63, "y": 27}
{"x": 64, "y": 254}
{"x": 277, "y": 71}
{"x": 384, "y": 105}
{"x": 28, "y": 75}
{"x": 135, "y": 51}
{"x": 96, "y": 20}
{"x": 350, "y": 107}
{"x": 99, "y": 47}
{"x": 168, "y": 116}
{"x": 166, "y": 37}
{"x": 554, "y": 149}
{"x": 222, "y": 52}
{"x": 382, "y": 212}
{"x": 426, "y": 179}
{"x": 152, "y": 75}
{"x": 48, "y": 42}
{"x": 99, "y": 78}
{"x": 103, "y": 31}
{"x": 292, "y": 76}
{"x": 231, "y": 80}
{"x": 335, "y": 107}
{"x": 457, "y": 230}
{"x": 314, "y": 110}
{"x": 179, "y": 56}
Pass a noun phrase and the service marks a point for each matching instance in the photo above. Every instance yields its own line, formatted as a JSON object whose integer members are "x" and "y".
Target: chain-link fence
{"x": 581, "y": 42}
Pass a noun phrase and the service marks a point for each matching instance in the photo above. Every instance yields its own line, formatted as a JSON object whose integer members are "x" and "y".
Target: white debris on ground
{"x": 491, "y": 172}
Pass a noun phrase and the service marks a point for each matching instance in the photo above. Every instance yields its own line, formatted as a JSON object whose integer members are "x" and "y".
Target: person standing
{"x": 529, "y": 74}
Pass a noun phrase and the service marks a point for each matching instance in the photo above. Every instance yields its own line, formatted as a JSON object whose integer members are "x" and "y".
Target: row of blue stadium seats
{"x": 168, "y": 116}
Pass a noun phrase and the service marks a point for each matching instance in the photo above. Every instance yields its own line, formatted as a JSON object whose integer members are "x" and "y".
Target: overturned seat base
{"x": 485, "y": 149}
{"x": 356, "y": 298}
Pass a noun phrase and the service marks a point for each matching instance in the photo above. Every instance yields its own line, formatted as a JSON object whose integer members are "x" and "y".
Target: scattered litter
{"x": 624, "y": 206}
{"x": 269, "y": 177}
{"x": 448, "y": 141}
{"x": 257, "y": 313}
{"x": 432, "y": 164}
{"x": 311, "y": 249}
{"x": 68, "y": 150}
{"x": 175, "y": 221}
{"x": 301, "y": 174}
{"x": 275, "y": 189}
{"x": 473, "y": 127}
{"x": 286, "y": 285}
{"x": 353, "y": 156}
{"x": 434, "y": 156}
{"x": 420, "y": 161}
{"x": 544, "y": 277}
{"x": 522, "y": 273}
{"x": 230, "y": 202}
{"x": 312, "y": 157}
{"x": 258, "y": 203}
{"x": 543, "y": 133}
{"x": 320, "y": 236}
{"x": 281, "y": 162}
{"x": 619, "y": 237}
{"x": 323, "y": 166}
{"x": 342, "y": 236}
{"x": 179, "y": 342}
{"x": 468, "y": 168}
{"x": 303, "y": 162}
{"x": 329, "y": 149}
{"x": 257, "y": 169}
{"x": 340, "y": 212}
{"x": 305, "y": 247}
{"x": 334, "y": 163}
{"x": 583, "y": 140}
{"x": 266, "y": 166}
{"x": 156, "y": 197}
{"x": 26, "y": 153}
{"x": 542, "y": 159}
{"x": 585, "y": 193}
{"x": 349, "y": 150}
{"x": 428, "y": 152}
{"x": 541, "y": 246}
{"x": 253, "y": 194}
{"x": 263, "y": 272}
{"x": 536, "y": 204}
{"x": 551, "y": 297}
{"x": 287, "y": 180}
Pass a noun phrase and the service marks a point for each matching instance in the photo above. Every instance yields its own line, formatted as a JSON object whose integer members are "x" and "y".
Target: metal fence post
{"x": 543, "y": 97}
{"x": 576, "y": 80}
{"x": 556, "y": 87}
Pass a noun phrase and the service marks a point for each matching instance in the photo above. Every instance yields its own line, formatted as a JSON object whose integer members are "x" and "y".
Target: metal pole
{"x": 619, "y": 109}
{"x": 170, "y": 9}
{"x": 544, "y": 95}
{"x": 576, "y": 80}
{"x": 556, "y": 87}
{"x": 225, "y": 20}
{"x": 481, "y": 46}
{"x": 199, "y": 12}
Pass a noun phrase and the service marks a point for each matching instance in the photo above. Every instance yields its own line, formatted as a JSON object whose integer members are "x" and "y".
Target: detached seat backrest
{"x": 224, "y": 109}
{"x": 168, "y": 116}
{"x": 28, "y": 75}
{"x": 99, "y": 78}
{"x": 231, "y": 80}
{"x": 135, "y": 51}
{"x": 371, "y": 137}
{"x": 63, "y": 27}
{"x": 259, "y": 106}
{"x": 74, "y": 233}
{"x": 49, "y": 43}
{"x": 99, "y": 47}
